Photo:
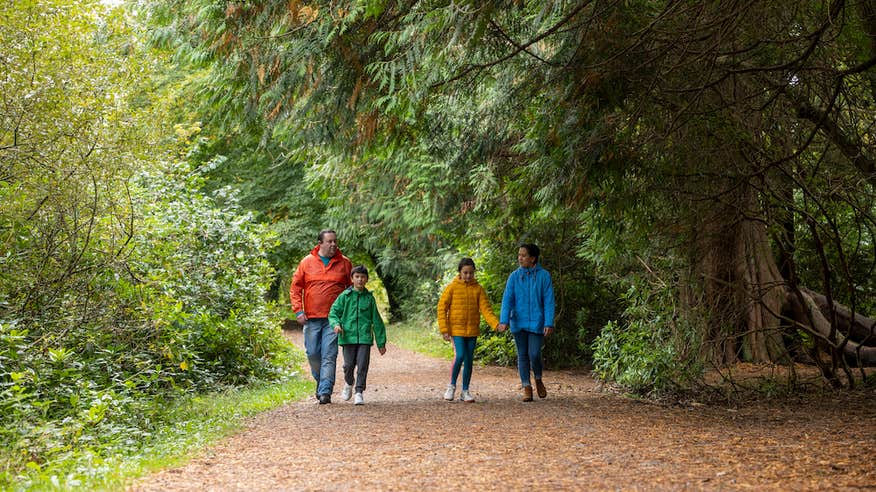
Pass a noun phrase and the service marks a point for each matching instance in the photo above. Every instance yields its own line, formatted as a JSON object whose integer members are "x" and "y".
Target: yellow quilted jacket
{"x": 460, "y": 307}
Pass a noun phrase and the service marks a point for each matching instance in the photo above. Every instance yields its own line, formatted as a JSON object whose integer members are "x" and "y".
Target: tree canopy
{"x": 708, "y": 162}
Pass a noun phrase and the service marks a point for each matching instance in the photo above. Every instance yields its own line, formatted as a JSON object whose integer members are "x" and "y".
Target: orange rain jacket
{"x": 460, "y": 307}
{"x": 315, "y": 286}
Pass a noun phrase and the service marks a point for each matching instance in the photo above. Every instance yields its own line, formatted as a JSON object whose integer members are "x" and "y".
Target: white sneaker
{"x": 466, "y": 397}
{"x": 358, "y": 400}
{"x": 450, "y": 393}
{"x": 347, "y": 392}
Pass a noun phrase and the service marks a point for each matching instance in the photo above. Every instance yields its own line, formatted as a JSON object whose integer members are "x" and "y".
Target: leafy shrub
{"x": 118, "y": 291}
{"x": 648, "y": 351}
{"x": 204, "y": 274}
{"x": 183, "y": 313}
{"x": 496, "y": 348}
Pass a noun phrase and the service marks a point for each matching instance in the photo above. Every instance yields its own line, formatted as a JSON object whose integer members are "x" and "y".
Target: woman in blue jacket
{"x": 528, "y": 306}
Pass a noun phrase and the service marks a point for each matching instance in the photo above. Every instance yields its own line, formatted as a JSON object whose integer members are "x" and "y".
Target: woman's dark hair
{"x": 465, "y": 262}
{"x": 359, "y": 269}
{"x": 532, "y": 250}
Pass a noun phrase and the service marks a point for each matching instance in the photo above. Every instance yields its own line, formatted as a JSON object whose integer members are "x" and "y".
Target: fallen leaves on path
{"x": 407, "y": 438}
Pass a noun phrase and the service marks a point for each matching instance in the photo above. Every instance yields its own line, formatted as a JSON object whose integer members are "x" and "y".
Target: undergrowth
{"x": 159, "y": 435}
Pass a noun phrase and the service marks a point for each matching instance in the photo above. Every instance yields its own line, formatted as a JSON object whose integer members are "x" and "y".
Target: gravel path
{"x": 406, "y": 437}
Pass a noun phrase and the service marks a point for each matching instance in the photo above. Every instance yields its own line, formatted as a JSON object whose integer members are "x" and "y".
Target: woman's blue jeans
{"x": 528, "y": 355}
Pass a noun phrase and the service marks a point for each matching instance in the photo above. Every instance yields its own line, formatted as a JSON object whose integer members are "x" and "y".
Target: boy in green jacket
{"x": 355, "y": 319}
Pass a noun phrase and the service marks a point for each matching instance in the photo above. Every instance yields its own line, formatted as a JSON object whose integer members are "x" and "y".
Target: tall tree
{"x": 704, "y": 140}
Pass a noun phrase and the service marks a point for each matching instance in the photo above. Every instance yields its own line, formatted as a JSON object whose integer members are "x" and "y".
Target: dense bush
{"x": 181, "y": 311}
{"x": 651, "y": 349}
{"x": 496, "y": 348}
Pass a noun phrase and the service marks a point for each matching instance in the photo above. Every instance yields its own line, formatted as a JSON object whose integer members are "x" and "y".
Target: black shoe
{"x": 324, "y": 399}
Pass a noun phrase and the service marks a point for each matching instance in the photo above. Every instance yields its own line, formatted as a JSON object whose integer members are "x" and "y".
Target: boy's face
{"x": 359, "y": 281}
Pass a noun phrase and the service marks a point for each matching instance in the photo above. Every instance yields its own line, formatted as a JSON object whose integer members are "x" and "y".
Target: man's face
{"x": 359, "y": 281}
{"x": 329, "y": 245}
{"x": 524, "y": 259}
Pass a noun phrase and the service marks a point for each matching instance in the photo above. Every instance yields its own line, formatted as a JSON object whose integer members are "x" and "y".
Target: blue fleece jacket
{"x": 528, "y": 303}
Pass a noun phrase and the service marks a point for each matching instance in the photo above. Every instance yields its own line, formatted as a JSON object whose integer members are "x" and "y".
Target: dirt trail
{"x": 406, "y": 437}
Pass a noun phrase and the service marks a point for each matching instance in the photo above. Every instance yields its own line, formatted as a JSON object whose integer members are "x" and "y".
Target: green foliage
{"x": 652, "y": 349}
{"x": 203, "y": 272}
{"x": 188, "y": 316}
{"x": 431, "y": 130}
{"x": 159, "y": 434}
{"x": 120, "y": 290}
{"x": 496, "y": 348}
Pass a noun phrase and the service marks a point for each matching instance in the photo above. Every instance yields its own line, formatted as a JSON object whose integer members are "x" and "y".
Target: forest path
{"x": 406, "y": 437}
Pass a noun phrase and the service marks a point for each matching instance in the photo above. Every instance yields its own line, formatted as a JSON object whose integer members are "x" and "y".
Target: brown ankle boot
{"x": 540, "y": 389}
{"x": 527, "y": 393}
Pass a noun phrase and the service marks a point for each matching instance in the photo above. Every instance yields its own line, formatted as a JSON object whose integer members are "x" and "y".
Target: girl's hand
{"x": 501, "y": 327}
{"x": 446, "y": 336}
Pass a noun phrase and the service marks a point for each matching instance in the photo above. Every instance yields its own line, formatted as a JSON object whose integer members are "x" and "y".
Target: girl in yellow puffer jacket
{"x": 459, "y": 317}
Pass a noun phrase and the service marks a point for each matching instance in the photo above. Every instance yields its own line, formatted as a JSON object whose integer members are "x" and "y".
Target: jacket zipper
{"x": 358, "y": 326}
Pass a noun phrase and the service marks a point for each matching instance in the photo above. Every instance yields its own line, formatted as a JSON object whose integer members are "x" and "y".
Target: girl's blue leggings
{"x": 528, "y": 355}
{"x": 464, "y": 348}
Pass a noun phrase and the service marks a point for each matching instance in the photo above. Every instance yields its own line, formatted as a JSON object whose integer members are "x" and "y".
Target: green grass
{"x": 420, "y": 337}
{"x": 181, "y": 431}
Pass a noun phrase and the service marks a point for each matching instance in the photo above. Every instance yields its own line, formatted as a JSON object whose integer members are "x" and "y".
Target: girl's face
{"x": 467, "y": 273}
{"x": 524, "y": 259}
{"x": 359, "y": 281}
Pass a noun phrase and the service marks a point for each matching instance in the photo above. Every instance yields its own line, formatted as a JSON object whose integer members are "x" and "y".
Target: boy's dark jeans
{"x": 356, "y": 355}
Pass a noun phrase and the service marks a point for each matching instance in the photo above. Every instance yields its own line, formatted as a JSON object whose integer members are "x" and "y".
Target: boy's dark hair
{"x": 322, "y": 233}
{"x": 359, "y": 269}
{"x": 532, "y": 250}
{"x": 465, "y": 262}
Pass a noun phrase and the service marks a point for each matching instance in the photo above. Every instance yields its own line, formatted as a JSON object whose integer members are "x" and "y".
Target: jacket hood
{"x": 532, "y": 269}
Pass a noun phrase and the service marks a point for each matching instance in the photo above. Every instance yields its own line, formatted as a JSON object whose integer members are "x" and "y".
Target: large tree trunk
{"x": 765, "y": 292}
{"x": 743, "y": 287}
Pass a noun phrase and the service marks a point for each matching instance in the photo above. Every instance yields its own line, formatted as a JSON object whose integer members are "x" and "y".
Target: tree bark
{"x": 765, "y": 294}
{"x": 862, "y": 329}
{"x": 743, "y": 286}
{"x": 808, "y": 315}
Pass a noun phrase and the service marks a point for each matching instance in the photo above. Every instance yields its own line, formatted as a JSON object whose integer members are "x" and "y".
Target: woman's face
{"x": 466, "y": 273}
{"x": 524, "y": 259}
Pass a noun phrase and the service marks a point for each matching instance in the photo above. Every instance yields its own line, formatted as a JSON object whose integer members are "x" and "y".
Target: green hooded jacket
{"x": 357, "y": 314}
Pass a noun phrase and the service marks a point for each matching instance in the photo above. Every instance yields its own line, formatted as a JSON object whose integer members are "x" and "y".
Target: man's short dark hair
{"x": 360, "y": 269}
{"x": 532, "y": 250}
{"x": 322, "y": 234}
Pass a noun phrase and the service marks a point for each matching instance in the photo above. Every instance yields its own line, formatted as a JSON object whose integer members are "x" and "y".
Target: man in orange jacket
{"x": 320, "y": 277}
